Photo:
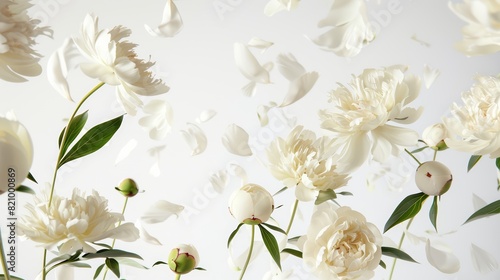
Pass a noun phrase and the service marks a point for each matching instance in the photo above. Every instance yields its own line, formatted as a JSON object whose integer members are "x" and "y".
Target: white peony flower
{"x": 305, "y": 162}
{"x": 251, "y": 204}
{"x": 361, "y": 114}
{"x": 109, "y": 59}
{"x": 475, "y": 126}
{"x": 18, "y": 32}
{"x": 71, "y": 224}
{"x": 340, "y": 244}
{"x": 482, "y": 34}
{"x": 350, "y": 29}
{"x": 16, "y": 153}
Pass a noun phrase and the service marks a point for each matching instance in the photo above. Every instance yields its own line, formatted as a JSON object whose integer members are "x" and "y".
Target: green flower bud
{"x": 183, "y": 259}
{"x": 128, "y": 188}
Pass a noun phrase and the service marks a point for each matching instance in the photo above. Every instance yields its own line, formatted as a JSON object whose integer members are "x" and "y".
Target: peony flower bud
{"x": 183, "y": 259}
{"x": 128, "y": 188}
{"x": 434, "y": 136}
{"x": 251, "y": 204}
{"x": 433, "y": 178}
{"x": 16, "y": 154}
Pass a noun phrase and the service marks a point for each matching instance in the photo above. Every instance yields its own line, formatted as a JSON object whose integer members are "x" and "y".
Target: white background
{"x": 199, "y": 67}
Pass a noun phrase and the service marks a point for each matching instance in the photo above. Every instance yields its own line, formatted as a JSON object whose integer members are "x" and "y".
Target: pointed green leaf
{"x": 31, "y": 178}
{"x": 497, "y": 163}
{"x": 159, "y": 262}
{"x": 472, "y": 161}
{"x": 407, "y": 209}
{"x": 434, "y": 212}
{"x": 98, "y": 271}
{"x": 25, "y": 189}
{"x": 200, "y": 268}
{"x": 292, "y": 252}
{"x": 113, "y": 253}
{"x": 74, "y": 128}
{"x": 64, "y": 257}
{"x": 130, "y": 262}
{"x": 382, "y": 264}
{"x": 396, "y": 253}
{"x": 93, "y": 140}
{"x": 271, "y": 245}
{"x": 231, "y": 236}
{"x": 113, "y": 265}
{"x": 275, "y": 228}
{"x": 345, "y": 193}
{"x": 102, "y": 245}
{"x": 280, "y": 191}
{"x": 419, "y": 149}
{"x": 325, "y": 196}
{"x": 79, "y": 264}
{"x": 488, "y": 210}
{"x": 293, "y": 239}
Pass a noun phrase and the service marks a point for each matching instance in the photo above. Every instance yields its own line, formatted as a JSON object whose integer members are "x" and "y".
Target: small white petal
{"x": 235, "y": 139}
{"x": 299, "y": 88}
{"x": 430, "y": 75}
{"x": 441, "y": 257}
{"x": 248, "y": 65}
{"x": 58, "y": 66}
{"x": 482, "y": 261}
{"x": 237, "y": 262}
{"x": 414, "y": 239}
{"x": 259, "y": 44}
{"x": 125, "y": 232}
{"x": 219, "y": 180}
{"x": 154, "y": 170}
{"x": 289, "y": 67}
{"x": 126, "y": 150}
{"x": 171, "y": 22}
{"x": 146, "y": 236}
{"x": 262, "y": 113}
{"x": 160, "y": 211}
{"x": 195, "y": 138}
{"x": 206, "y": 115}
{"x": 478, "y": 202}
{"x": 238, "y": 171}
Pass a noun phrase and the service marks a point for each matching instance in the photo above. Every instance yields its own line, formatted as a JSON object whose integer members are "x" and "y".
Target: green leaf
{"x": 293, "y": 239}
{"x": 25, "y": 189}
{"x": 292, "y": 252}
{"x": 113, "y": 253}
{"x": 497, "y": 163}
{"x": 78, "y": 264}
{"x": 418, "y": 151}
{"x": 64, "y": 257}
{"x": 200, "y": 268}
{"x": 434, "y": 212}
{"x": 382, "y": 264}
{"x": 274, "y": 228}
{"x": 74, "y": 128}
{"x": 231, "y": 236}
{"x": 345, "y": 193}
{"x": 131, "y": 262}
{"x": 488, "y": 210}
{"x": 93, "y": 140}
{"x": 396, "y": 253}
{"x": 280, "y": 191}
{"x": 113, "y": 265}
{"x": 271, "y": 245}
{"x": 325, "y": 196}
{"x": 472, "y": 161}
{"x": 98, "y": 271}
{"x": 407, "y": 209}
{"x": 31, "y": 178}
{"x": 159, "y": 262}
{"x": 2, "y": 277}
{"x": 102, "y": 245}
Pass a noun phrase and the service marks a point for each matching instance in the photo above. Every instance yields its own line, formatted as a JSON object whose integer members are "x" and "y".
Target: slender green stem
{"x": 435, "y": 155}
{"x": 59, "y": 157}
{"x": 292, "y": 217}
{"x": 399, "y": 247}
{"x": 418, "y": 161}
{"x": 177, "y": 276}
{"x": 4, "y": 263}
{"x": 114, "y": 240}
{"x": 249, "y": 253}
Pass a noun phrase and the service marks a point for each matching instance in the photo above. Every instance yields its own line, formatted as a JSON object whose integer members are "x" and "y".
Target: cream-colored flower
{"x": 475, "y": 126}
{"x": 306, "y": 163}
{"x": 110, "y": 59}
{"x": 251, "y": 204}
{"x": 349, "y": 29}
{"x": 341, "y": 245}
{"x": 18, "y": 32}
{"x": 482, "y": 34}
{"x": 361, "y": 114}
{"x": 71, "y": 224}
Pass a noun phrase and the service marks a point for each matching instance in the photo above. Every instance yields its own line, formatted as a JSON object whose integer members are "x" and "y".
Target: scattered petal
{"x": 126, "y": 150}
{"x": 482, "y": 261}
{"x": 219, "y": 180}
{"x": 259, "y": 44}
{"x": 171, "y": 22}
{"x": 238, "y": 171}
{"x": 154, "y": 170}
{"x": 145, "y": 235}
{"x": 160, "y": 211}
{"x": 248, "y": 65}
{"x": 160, "y": 119}
{"x": 262, "y": 113}
{"x": 275, "y": 6}
{"x": 206, "y": 115}
{"x": 430, "y": 75}
{"x": 60, "y": 62}
{"x": 289, "y": 67}
{"x": 478, "y": 202}
{"x": 441, "y": 257}
{"x": 237, "y": 262}
{"x": 414, "y": 239}
{"x": 195, "y": 138}
{"x": 299, "y": 88}
{"x": 235, "y": 140}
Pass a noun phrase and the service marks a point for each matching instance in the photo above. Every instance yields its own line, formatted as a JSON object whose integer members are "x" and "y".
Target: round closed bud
{"x": 251, "y": 204}
{"x": 434, "y": 136}
{"x": 433, "y": 178}
{"x": 128, "y": 188}
{"x": 183, "y": 259}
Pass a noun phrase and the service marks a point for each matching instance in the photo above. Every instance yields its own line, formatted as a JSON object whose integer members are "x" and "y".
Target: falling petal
{"x": 289, "y": 67}
{"x": 249, "y": 89}
{"x": 205, "y": 116}
{"x": 249, "y": 66}
{"x": 441, "y": 257}
{"x": 235, "y": 140}
{"x": 126, "y": 150}
{"x": 160, "y": 119}
{"x": 414, "y": 239}
{"x": 160, "y": 211}
{"x": 219, "y": 180}
{"x": 262, "y": 113}
{"x": 154, "y": 170}
{"x": 155, "y": 151}
{"x": 430, "y": 75}
{"x": 259, "y": 44}
{"x": 299, "y": 88}
{"x": 171, "y": 22}
{"x": 238, "y": 171}
{"x": 478, "y": 202}
{"x": 275, "y": 6}
{"x": 60, "y": 62}
{"x": 422, "y": 42}
{"x": 482, "y": 261}
{"x": 237, "y": 262}
{"x": 145, "y": 235}
{"x": 195, "y": 138}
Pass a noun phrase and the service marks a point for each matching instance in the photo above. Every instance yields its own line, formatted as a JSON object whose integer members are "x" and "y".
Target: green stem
{"x": 59, "y": 157}
{"x": 418, "y": 161}
{"x": 435, "y": 155}
{"x": 177, "y": 276}
{"x": 114, "y": 240}
{"x": 399, "y": 246}
{"x": 249, "y": 253}
{"x": 292, "y": 217}
{"x": 4, "y": 263}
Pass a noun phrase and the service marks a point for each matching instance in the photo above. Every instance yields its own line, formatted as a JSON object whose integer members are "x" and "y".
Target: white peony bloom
{"x": 350, "y": 29}
{"x": 71, "y": 224}
{"x": 16, "y": 154}
{"x": 18, "y": 32}
{"x": 475, "y": 126}
{"x": 251, "y": 204}
{"x": 361, "y": 114}
{"x": 306, "y": 163}
{"x": 482, "y": 34}
{"x": 109, "y": 59}
{"x": 341, "y": 245}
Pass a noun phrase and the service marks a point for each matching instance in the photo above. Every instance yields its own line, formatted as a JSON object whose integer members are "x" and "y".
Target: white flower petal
{"x": 219, "y": 180}
{"x": 126, "y": 150}
{"x": 289, "y": 67}
{"x": 238, "y": 171}
{"x": 160, "y": 211}
{"x": 262, "y": 113}
{"x": 145, "y": 234}
{"x": 235, "y": 139}
{"x": 354, "y": 152}
{"x": 60, "y": 62}
{"x": 304, "y": 193}
{"x": 171, "y": 22}
{"x": 482, "y": 261}
{"x": 478, "y": 202}
{"x": 430, "y": 75}
{"x": 205, "y": 116}
{"x": 441, "y": 257}
{"x": 154, "y": 170}
{"x": 125, "y": 232}
{"x": 259, "y": 44}
{"x": 248, "y": 65}
{"x": 299, "y": 88}
{"x": 195, "y": 138}
{"x": 237, "y": 262}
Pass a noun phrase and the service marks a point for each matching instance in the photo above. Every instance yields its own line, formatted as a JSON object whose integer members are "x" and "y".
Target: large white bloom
{"x": 305, "y": 162}
{"x": 482, "y": 34}
{"x": 341, "y": 245}
{"x": 109, "y": 59}
{"x": 361, "y": 114}
{"x": 73, "y": 223}
{"x": 475, "y": 126}
{"x": 18, "y": 32}
{"x": 349, "y": 29}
